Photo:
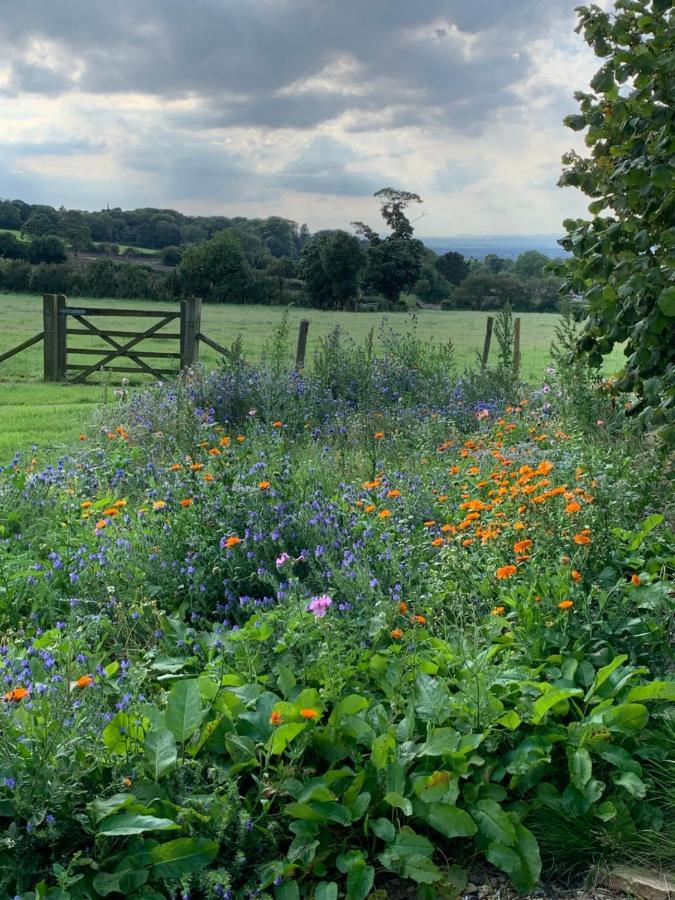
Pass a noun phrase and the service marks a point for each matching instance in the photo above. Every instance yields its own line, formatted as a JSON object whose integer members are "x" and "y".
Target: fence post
{"x": 54, "y": 343}
{"x": 516, "y": 346}
{"x": 488, "y": 339}
{"x": 302, "y": 344}
{"x": 190, "y": 326}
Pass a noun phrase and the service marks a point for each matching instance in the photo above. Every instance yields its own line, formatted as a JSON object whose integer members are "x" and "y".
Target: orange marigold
{"x": 84, "y": 681}
{"x": 418, "y": 620}
{"x": 573, "y": 507}
{"x": 522, "y": 546}
{"x": 396, "y": 634}
{"x": 566, "y": 604}
{"x": 403, "y": 607}
{"x": 16, "y": 694}
{"x": 277, "y": 424}
{"x": 506, "y": 571}
{"x": 582, "y": 538}
{"x": 309, "y": 713}
{"x": 275, "y": 718}
{"x": 175, "y": 467}
{"x": 394, "y": 493}
{"x": 232, "y": 541}
{"x": 635, "y": 578}
{"x": 437, "y": 542}
{"x": 264, "y": 485}
{"x": 187, "y": 501}
{"x": 384, "y": 513}
{"x": 378, "y": 435}
{"x": 498, "y": 610}
{"x": 576, "y": 576}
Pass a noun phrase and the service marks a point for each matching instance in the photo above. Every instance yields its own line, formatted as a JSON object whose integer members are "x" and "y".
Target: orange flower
{"x": 498, "y": 610}
{"x": 582, "y": 538}
{"x": 196, "y": 467}
{"x": 453, "y": 470}
{"x": 208, "y": 477}
{"x": 506, "y": 571}
{"x": 83, "y": 437}
{"x": 369, "y": 508}
{"x": 467, "y": 542}
{"x": 224, "y": 441}
{"x": 635, "y": 578}
{"x": 276, "y": 424}
{"x": 101, "y": 523}
{"x": 241, "y": 438}
{"x": 84, "y": 681}
{"x": 566, "y": 604}
{"x": 429, "y": 523}
{"x": 522, "y": 546}
{"x": 232, "y": 541}
{"x": 308, "y": 713}
{"x": 214, "y": 451}
{"x": 396, "y": 633}
{"x": 159, "y": 504}
{"x": 378, "y": 435}
{"x": 175, "y": 467}
{"x": 275, "y": 718}
{"x": 264, "y": 485}
{"x": 576, "y": 576}
{"x": 403, "y": 607}
{"x": 394, "y": 493}
{"x": 384, "y": 513}
{"x": 111, "y": 511}
{"x": 86, "y": 504}
{"x": 187, "y": 501}
{"x": 573, "y": 507}
{"x": 418, "y": 620}
{"x": 16, "y": 694}
{"x": 437, "y": 542}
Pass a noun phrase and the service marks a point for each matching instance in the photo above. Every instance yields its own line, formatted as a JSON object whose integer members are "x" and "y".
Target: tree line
{"x": 273, "y": 261}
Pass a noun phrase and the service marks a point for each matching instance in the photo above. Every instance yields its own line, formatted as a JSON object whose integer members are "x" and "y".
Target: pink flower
{"x": 282, "y": 559}
{"x": 319, "y": 605}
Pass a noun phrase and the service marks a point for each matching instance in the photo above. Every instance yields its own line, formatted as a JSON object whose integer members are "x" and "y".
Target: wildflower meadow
{"x": 342, "y": 632}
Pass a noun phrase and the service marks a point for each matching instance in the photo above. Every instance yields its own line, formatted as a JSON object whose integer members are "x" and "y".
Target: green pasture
{"x": 32, "y": 413}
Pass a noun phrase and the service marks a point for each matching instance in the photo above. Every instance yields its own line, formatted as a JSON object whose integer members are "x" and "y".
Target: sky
{"x": 298, "y": 108}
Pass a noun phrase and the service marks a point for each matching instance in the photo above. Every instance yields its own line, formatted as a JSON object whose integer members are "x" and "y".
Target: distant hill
{"x": 506, "y": 245}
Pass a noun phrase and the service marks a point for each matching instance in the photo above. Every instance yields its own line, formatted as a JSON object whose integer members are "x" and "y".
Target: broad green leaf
{"x": 383, "y": 828}
{"x": 493, "y": 822}
{"x": 450, "y": 820}
{"x": 133, "y": 823}
{"x": 286, "y": 681}
{"x": 432, "y": 700}
{"x": 421, "y": 869}
{"x": 125, "y": 732}
{"x": 184, "y": 709}
{"x": 360, "y": 880}
{"x": 399, "y": 802}
{"x": 657, "y": 690}
{"x": 283, "y": 735}
{"x": 604, "y": 673}
{"x": 384, "y": 750}
{"x": 510, "y": 720}
{"x": 630, "y": 782}
{"x": 667, "y": 301}
{"x": 443, "y": 740}
{"x": 527, "y": 849}
{"x": 101, "y": 809}
{"x": 160, "y": 751}
{"x": 124, "y": 881}
{"x": 287, "y": 890}
{"x": 627, "y": 718}
{"x": 326, "y": 890}
{"x": 581, "y": 767}
{"x": 182, "y": 857}
{"x": 504, "y": 858}
{"x": 547, "y": 701}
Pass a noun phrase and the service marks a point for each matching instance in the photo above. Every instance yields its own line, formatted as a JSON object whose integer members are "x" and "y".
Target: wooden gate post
{"x": 302, "y": 344}
{"x": 54, "y": 337}
{"x": 516, "y": 346}
{"x": 190, "y": 326}
{"x": 488, "y": 339}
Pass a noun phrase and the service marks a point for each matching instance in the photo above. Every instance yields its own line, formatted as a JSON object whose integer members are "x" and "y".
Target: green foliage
{"x": 331, "y": 266}
{"x": 622, "y": 258}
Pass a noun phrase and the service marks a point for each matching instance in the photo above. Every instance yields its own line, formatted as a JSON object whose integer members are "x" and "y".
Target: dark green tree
{"x": 11, "y": 247}
{"x": 453, "y": 267}
{"x": 394, "y": 262}
{"x": 530, "y": 264}
{"x": 217, "y": 270}
{"x": 47, "y": 249}
{"x": 331, "y": 264}
{"x": 623, "y": 258}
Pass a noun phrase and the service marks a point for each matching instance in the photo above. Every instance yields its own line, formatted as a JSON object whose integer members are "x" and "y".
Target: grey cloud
{"x": 249, "y": 49}
{"x": 321, "y": 168}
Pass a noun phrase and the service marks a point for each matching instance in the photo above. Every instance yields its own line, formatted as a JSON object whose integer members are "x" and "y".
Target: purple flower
{"x": 318, "y": 606}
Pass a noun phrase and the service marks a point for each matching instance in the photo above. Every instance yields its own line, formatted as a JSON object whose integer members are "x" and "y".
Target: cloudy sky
{"x": 300, "y": 108}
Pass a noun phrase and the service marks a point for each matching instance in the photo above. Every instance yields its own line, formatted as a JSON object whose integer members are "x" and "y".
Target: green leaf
{"x": 510, "y": 720}
{"x": 360, "y": 880}
{"x": 433, "y": 700}
{"x": 124, "y": 881}
{"x": 421, "y": 869}
{"x": 384, "y": 750}
{"x": 604, "y": 673}
{"x": 630, "y": 782}
{"x": 530, "y": 862}
{"x": 627, "y": 718}
{"x": 581, "y": 767}
{"x": 548, "y": 700}
{"x": 657, "y": 690}
{"x": 184, "y": 709}
{"x": 284, "y": 734}
{"x": 286, "y": 681}
{"x": 287, "y": 890}
{"x": 124, "y": 732}
{"x": 160, "y": 751}
{"x": 326, "y": 890}
{"x": 182, "y": 857}
{"x": 443, "y": 740}
{"x": 383, "y": 828}
{"x": 351, "y": 705}
{"x": 666, "y": 301}
{"x": 493, "y": 822}
{"x": 133, "y": 823}
{"x": 450, "y": 820}
{"x": 504, "y": 858}
{"x": 397, "y": 801}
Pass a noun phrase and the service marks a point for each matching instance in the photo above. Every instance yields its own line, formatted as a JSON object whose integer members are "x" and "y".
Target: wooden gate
{"x": 61, "y": 321}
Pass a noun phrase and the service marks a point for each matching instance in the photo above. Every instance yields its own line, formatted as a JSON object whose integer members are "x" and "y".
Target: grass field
{"x": 52, "y": 415}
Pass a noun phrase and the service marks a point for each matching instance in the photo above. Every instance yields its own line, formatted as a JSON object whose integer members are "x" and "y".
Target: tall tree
{"x": 623, "y": 260}
{"x": 453, "y": 267}
{"x": 331, "y": 264}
